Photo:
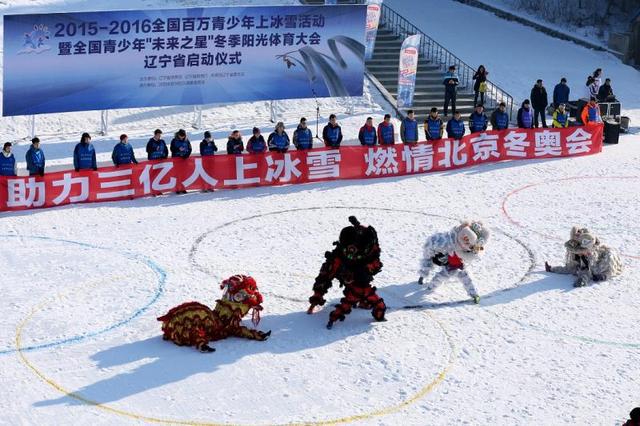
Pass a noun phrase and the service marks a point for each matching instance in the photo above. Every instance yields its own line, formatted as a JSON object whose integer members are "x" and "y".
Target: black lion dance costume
{"x": 195, "y": 324}
{"x": 353, "y": 262}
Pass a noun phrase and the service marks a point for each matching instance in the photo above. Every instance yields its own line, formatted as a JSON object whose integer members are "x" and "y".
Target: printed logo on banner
{"x": 36, "y": 41}
{"x": 408, "y": 69}
{"x": 374, "y": 9}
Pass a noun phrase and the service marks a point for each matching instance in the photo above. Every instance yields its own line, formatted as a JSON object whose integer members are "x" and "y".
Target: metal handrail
{"x": 440, "y": 56}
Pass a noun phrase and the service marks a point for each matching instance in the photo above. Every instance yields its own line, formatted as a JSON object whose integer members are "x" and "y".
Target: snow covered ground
{"x": 82, "y": 286}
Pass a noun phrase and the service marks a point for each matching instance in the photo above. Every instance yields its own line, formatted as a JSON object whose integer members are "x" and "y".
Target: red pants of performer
{"x": 366, "y": 297}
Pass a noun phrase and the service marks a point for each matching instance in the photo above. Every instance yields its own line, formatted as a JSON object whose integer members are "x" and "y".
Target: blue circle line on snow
{"x": 162, "y": 278}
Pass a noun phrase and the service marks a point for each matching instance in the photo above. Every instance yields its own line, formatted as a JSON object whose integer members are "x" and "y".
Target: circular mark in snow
{"x": 155, "y": 268}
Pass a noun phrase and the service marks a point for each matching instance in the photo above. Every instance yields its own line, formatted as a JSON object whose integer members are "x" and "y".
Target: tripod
{"x": 317, "y": 116}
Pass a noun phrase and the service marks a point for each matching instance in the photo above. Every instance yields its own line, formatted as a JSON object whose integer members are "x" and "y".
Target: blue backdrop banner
{"x": 120, "y": 59}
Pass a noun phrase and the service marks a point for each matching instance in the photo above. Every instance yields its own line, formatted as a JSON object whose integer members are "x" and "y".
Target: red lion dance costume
{"x": 195, "y": 324}
{"x": 354, "y": 262}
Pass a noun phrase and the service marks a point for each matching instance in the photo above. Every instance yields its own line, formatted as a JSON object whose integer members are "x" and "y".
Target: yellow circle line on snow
{"x": 428, "y": 388}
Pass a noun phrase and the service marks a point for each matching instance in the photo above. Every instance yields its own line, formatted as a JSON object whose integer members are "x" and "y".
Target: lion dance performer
{"x": 451, "y": 250}
{"x": 353, "y": 262}
{"x": 587, "y": 259}
{"x": 195, "y": 324}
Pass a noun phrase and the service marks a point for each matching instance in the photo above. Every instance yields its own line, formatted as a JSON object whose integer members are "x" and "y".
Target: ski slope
{"x": 82, "y": 287}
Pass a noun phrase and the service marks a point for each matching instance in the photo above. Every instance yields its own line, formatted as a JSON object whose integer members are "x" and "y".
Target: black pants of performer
{"x": 475, "y": 99}
{"x": 365, "y": 297}
{"x": 539, "y": 112}
{"x": 449, "y": 96}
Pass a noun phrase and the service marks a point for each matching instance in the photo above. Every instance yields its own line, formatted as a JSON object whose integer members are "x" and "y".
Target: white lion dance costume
{"x": 587, "y": 259}
{"x": 450, "y": 250}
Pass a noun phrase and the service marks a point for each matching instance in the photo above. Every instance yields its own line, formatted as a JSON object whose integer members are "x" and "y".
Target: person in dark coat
{"x": 332, "y": 133}
{"x": 634, "y": 418}
{"x": 156, "y": 147}
{"x": 256, "y": 143}
{"x": 35, "y": 158}
{"x": 302, "y": 136}
{"x": 605, "y": 93}
{"x": 539, "y": 101}
{"x": 561, "y": 93}
{"x": 525, "y": 115}
{"x": 386, "y": 132}
{"x": 180, "y": 145}
{"x": 433, "y": 126}
{"x": 279, "y": 139}
{"x": 455, "y": 126}
{"x": 450, "y": 82}
{"x": 367, "y": 134}
{"x": 234, "y": 143}
{"x": 478, "y": 120}
{"x": 8, "y": 161}
{"x": 479, "y": 88}
{"x": 84, "y": 155}
{"x": 208, "y": 146}
{"x": 500, "y": 118}
{"x": 409, "y": 128}
{"x": 123, "y": 152}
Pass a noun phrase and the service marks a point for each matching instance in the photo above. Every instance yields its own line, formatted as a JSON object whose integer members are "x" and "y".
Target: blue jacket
{"x": 35, "y": 161}
{"x": 84, "y": 157}
{"x": 477, "y": 122}
{"x": 256, "y": 145}
{"x": 409, "y": 130}
{"x": 303, "y": 138}
{"x": 455, "y": 129}
{"x": 561, "y": 94}
{"x": 7, "y": 165}
{"x": 367, "y": 135}
{"x": 499, "y": 120}
{"x": 157, "y": 150}
{"x": 123, "y": 154}
{"x": 278, "y": 143}
{"x": 180, "y": 148}
{"x": 433, "y": 128}
{"x": 332, "y": 135}
{"x": 525, "y": 118}
{"x": 207, "y": 148}
{"x": 386, "y": 134}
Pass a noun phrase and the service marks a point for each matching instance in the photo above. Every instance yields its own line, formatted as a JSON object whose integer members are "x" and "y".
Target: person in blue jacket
{"x": 525, "y": 115}
{"x": 156, "y": 147}
{"x": 433, "y": 126}
{"x": 500, "y": 118}
{"x": 332, "y": 133}
{"x": 478, "y": 120}
{"x": 35, "y": 158}
{"x": 302, "y": 136}
{"x": 367, "y": 134}
{"x": 8, "y": 161}
{"x": 278, "y": 140}
{"x": 455, "y": 126}
{"x": 409, "y": 128}
{"x": 450, "y": 82}
{"x": 180, "y": 145}
{"x": 208, "y": 146}
{"x": 123, "y": 153}
{"x": 561, "y": 93}
{"x": 386, "y": 132}
{"x": 256, "y": 143}
{"x": 234, "y": 143}
{"x": 84, "y": 155}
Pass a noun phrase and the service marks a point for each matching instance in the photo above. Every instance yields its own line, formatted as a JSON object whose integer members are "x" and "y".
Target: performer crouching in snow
{"x": 451, "y": 250}
{"x": 587, "y": 259}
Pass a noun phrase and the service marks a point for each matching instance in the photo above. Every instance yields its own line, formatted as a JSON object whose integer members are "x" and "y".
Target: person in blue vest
{"x": 180, "y": 145}
{"x": 278, "y": 140}
{"x": 560, "y": 117}
{"x": 302, "y": 136}
{"x": 455, "y": 126}
{"x": 433, "y": 126}
{"x": 256, "y": 143}
{"x": 591, "y": 113}
{"x": 123, "y": 153}
{"x": 207, "y": 146}
{"x": 386, "y": 132}
{"x": 84, "y": 155}
{"x": 409, "y": 128}
{"x": 450, "y": 82}
{"x": 35, "y": 158}
{"x": 234, "y": 143}
{"x": 525, "y": 115}
{"x": 500, "y": 118}
{"x": 561, "y": 93}
{"x": 478, "y": 120}
{"x": 367, "y": 135}
{"x": 332, "y": 133}
{"x": 156, "y": 147}
{"x": 8, "y": 161}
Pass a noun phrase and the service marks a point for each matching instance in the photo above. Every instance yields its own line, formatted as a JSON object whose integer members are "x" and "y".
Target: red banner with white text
{"x": 295, "y": 167}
